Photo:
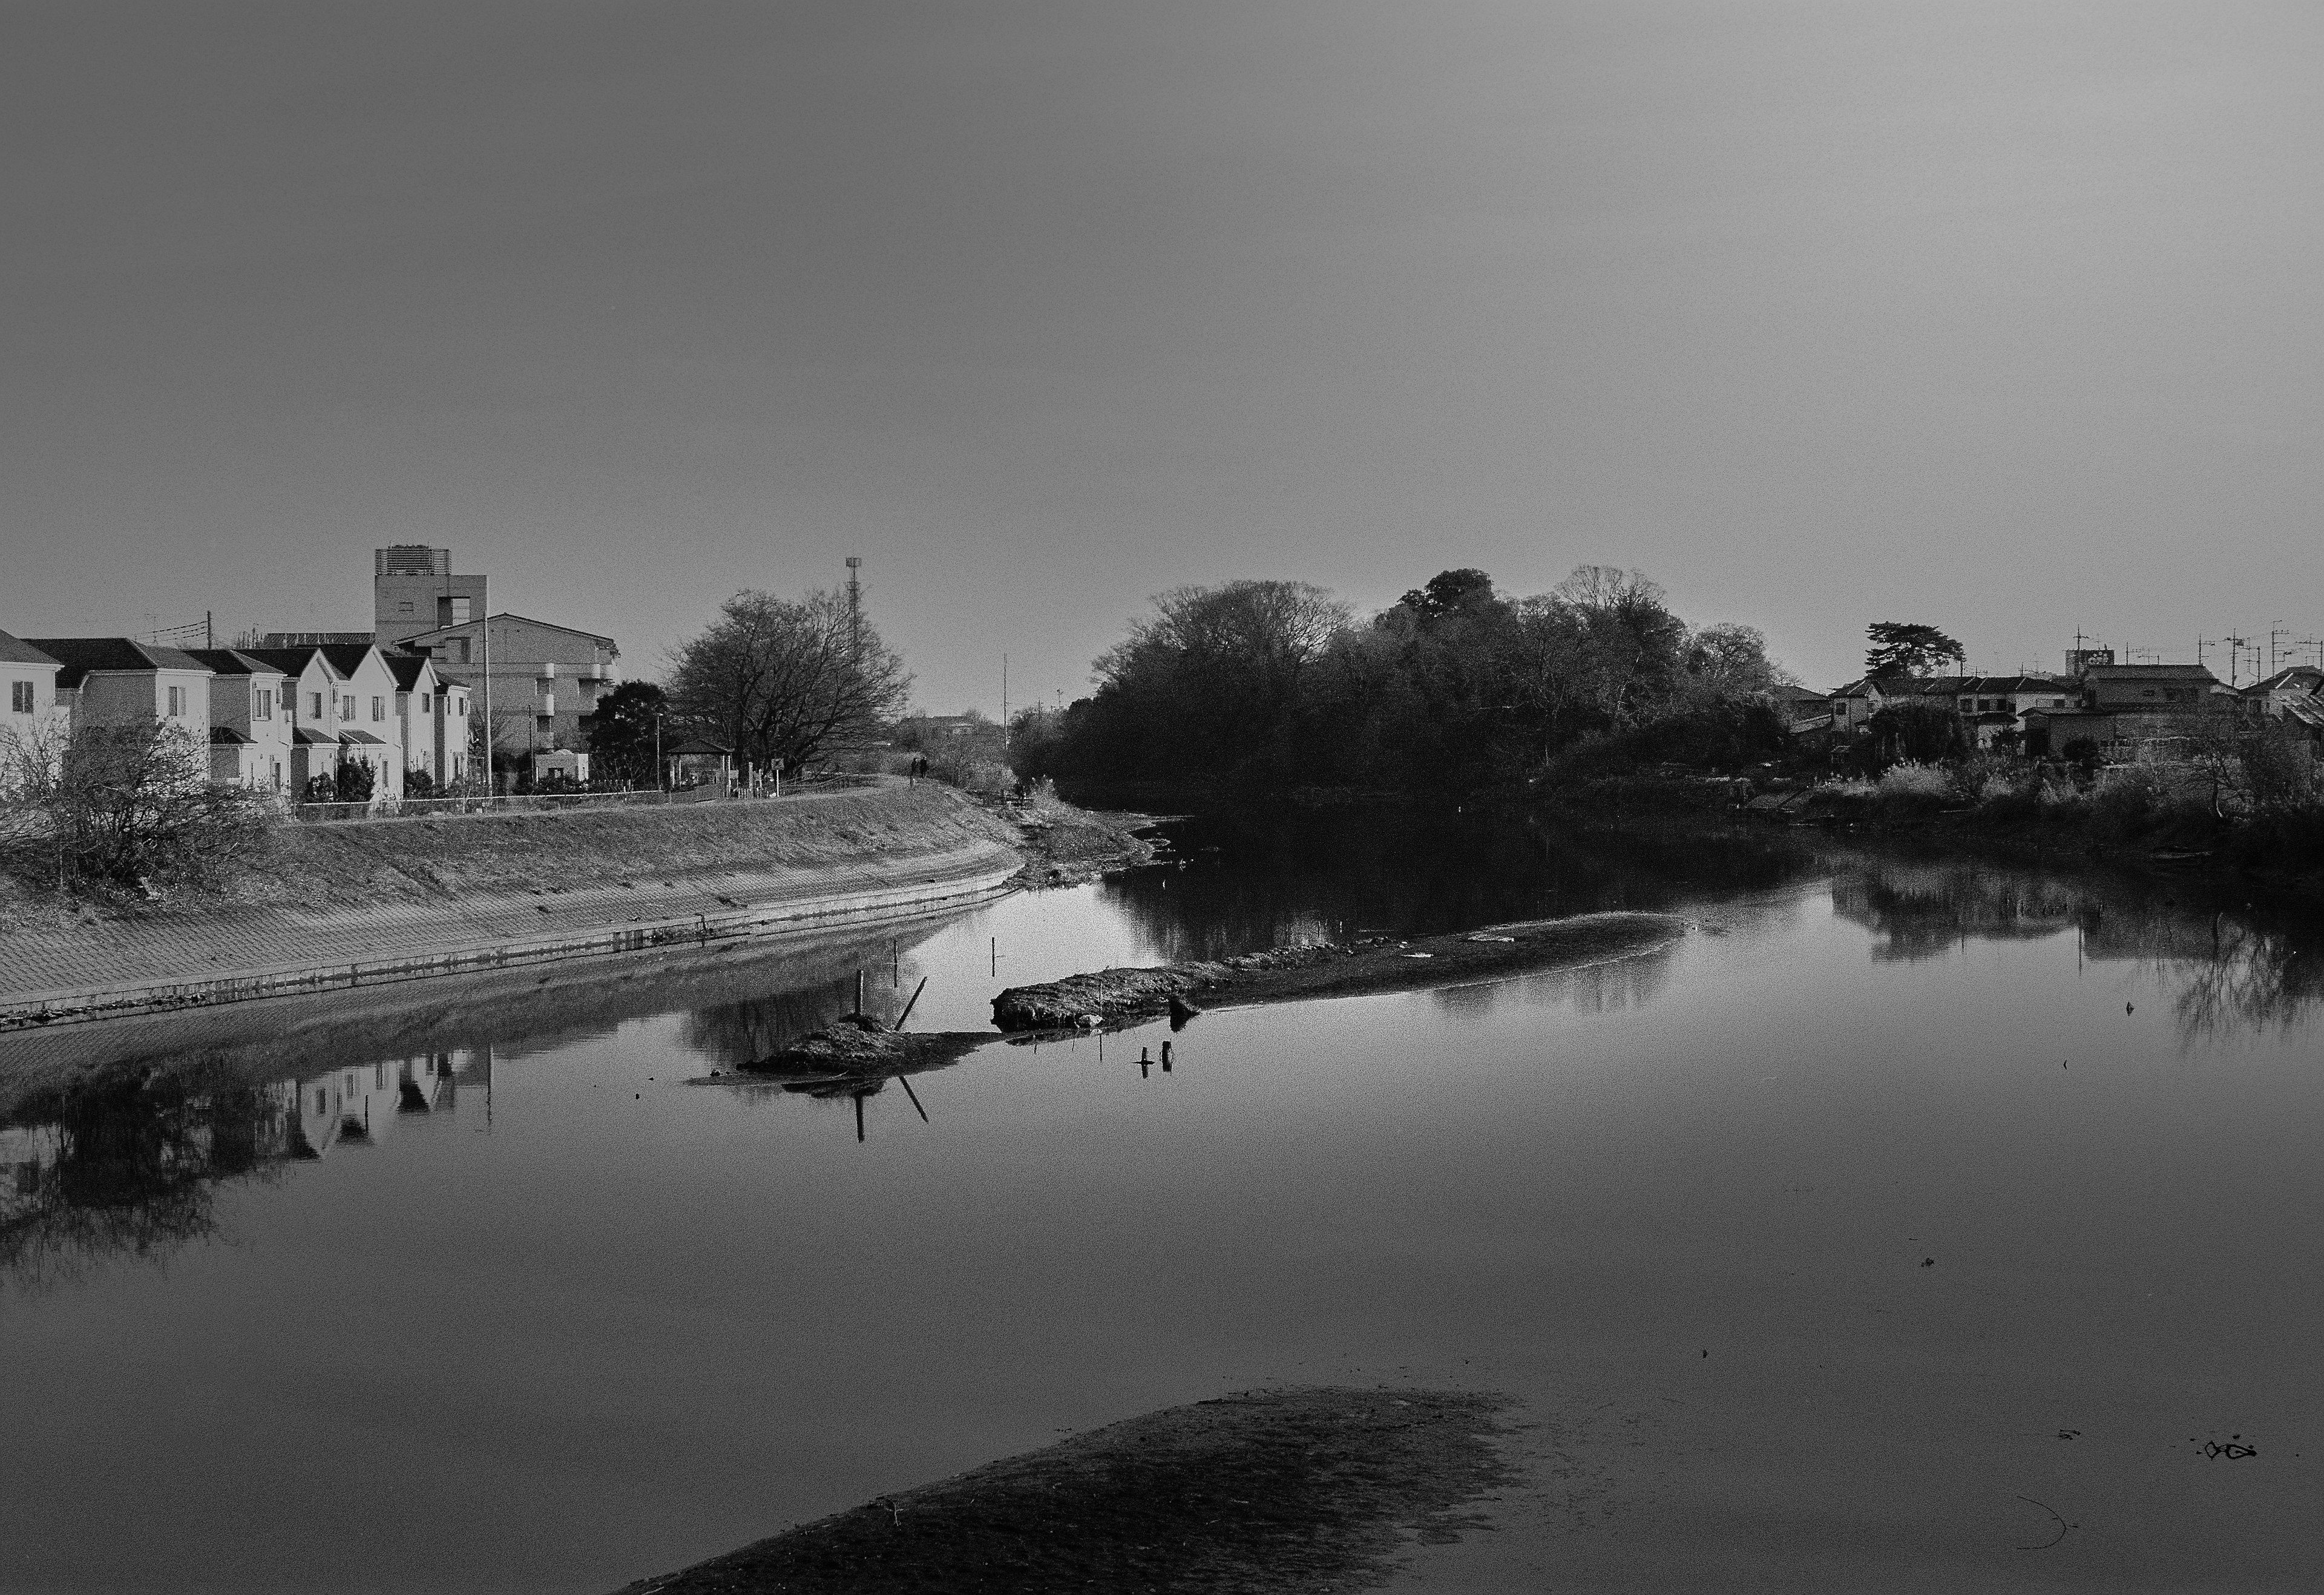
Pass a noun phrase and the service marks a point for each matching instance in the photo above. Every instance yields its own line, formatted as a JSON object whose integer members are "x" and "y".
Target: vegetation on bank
{"x": 1455, "y": 689}
{"x": 122, "y": 811}
{"x": 2244, "y": 798}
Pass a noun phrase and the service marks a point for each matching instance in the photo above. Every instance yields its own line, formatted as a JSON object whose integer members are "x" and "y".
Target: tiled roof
{"x": 14, "y": 650}
{"x": 2149, "y": 673}
{"x": 361, "y": 736}
{"x": 347, "y": 658}
{"x": 291, "y": 662}
{"x": 80, "y": 654}
{"x": 406, "y": 667}
{"x": 309, "y": 738}
{"x": 2297, "y": 678}
{"x": 227, "y": 661}
{"x": 228, "y": 734}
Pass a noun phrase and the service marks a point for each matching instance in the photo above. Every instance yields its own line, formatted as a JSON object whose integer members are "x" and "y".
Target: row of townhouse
{"x": 2122, "y": 707}
{"x": 273, "y": 718}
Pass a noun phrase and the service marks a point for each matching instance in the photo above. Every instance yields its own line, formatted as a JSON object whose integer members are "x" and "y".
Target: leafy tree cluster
{"x": 1456, "y": 687}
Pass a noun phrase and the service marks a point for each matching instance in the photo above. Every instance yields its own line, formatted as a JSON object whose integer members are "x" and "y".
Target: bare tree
{"x": 783, "y": 679}
{"x": 124, "y": 806}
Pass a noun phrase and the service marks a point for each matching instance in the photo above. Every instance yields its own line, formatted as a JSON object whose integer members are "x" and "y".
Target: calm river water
{"x": 1909, "y": 1225}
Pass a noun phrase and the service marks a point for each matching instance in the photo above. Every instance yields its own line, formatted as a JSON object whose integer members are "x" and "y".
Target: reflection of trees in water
{"x": 735, "y": 1033}
{"x": 2241, "y": 970}
{"x": 1925, "y": 910}
{"x": 129, "y": 1168}
{"x": 1285, "y": 876}
{"x": 1593, "y": 989}
{"x": 2255, "y": 979}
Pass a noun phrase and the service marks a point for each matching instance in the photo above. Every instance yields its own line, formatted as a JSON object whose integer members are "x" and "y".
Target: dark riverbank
{"x": 1271, "y": 1490}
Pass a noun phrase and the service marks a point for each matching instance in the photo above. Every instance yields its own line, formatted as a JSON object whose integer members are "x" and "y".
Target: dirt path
{"x": 1286, "y": 974}
{"x": 1277, "y": 1490}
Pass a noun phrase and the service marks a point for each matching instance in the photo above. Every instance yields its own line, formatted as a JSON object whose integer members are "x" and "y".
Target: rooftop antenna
{"x": 854, "y": 613}
{"x": 2235, "y": 645}
{"x": 2276, "y": 629}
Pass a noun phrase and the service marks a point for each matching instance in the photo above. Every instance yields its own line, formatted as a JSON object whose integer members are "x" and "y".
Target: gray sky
{"x": 2002, "y": 317}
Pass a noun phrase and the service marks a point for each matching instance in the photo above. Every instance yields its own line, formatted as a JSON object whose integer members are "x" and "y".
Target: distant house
{"x": 544, "y": 679}
{"x": 2291, "y": 703}
{"x": 1804, "y": 709}
{"x": 331, "y": 692}
{"x": 250, "y": 720}
{"x": 431, "y": 718}
{"x": 2155, "y": 689}
{"x": 2049, "y": 733}
{"x": 119, "y": 681}
{"x": 30, "y": 679}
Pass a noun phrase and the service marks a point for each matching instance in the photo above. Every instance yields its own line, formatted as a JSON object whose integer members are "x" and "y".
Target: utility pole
{"x": 2235, "y": 645}
{"x": 854, "y": 611}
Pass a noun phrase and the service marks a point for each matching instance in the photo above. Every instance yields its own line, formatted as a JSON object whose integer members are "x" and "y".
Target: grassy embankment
{"x": 1272, "y": 1490}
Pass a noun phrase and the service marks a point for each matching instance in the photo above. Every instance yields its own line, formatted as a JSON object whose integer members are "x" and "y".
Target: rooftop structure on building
{"x": 414, "y": 589}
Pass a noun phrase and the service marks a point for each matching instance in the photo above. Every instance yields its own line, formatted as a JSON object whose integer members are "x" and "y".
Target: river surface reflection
{"x": 1899, "y": 1195}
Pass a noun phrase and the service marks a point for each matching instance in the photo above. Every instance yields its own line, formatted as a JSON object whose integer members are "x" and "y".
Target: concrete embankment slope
{"x": 358, "y": 905}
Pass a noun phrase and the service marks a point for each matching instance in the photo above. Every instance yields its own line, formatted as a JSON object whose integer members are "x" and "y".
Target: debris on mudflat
{"x": 860, "y": 1045}
{"x": 1331, "y": 969}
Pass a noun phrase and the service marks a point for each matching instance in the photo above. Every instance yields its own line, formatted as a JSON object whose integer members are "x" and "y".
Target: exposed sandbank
{"x": 1271, "y": 1490}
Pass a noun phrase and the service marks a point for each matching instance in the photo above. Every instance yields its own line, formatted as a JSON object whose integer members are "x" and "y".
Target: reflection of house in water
{"x": 1926, "y": 910}
{"x": 360, "y": 1103}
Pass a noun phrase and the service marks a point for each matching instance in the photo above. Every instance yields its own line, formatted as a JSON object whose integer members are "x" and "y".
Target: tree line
{"x": 1456, "y": 686}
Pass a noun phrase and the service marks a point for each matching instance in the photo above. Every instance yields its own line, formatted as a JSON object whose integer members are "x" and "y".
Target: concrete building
{"x": 544, "y": 678}
{"x": 250, "y": 720}
{"x": 118, "y": 681}
{"x": 414, "y": 590}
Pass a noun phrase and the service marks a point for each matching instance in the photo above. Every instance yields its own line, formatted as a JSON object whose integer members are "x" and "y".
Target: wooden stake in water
{"x": 913, "y": 1003}
{"x": 996, "y": 955}
{"x": 859, "y": 993}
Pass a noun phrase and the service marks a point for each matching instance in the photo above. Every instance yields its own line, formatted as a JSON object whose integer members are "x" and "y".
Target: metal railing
{"x": 411, "y": 809}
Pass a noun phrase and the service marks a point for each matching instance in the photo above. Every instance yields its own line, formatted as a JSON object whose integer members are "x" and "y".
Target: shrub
{"x": 1914, "y": 779}
{"x": 971, "y": 770}
{"x": 126, "y": 807}
{"x": 2125, "y": 801}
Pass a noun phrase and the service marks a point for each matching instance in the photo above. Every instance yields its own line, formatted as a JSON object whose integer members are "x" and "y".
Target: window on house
{"x": 404, "y": 607}
{"x": 462, "y": 645}
{"x": 315, "y": 705}
{"x": 423, "y": 703}
{"x": 177, "y": 700}
{"x": 543, "y": 723}
{"x": 379, "y": 708}
{"x": 20, "y": 697}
